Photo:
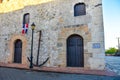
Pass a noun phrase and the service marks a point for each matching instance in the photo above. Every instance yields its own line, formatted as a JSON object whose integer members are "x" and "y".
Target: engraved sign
{"x": 96, "y": 45}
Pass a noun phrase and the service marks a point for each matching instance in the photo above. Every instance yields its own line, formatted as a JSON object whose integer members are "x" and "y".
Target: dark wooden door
{"x": 18, "y": 51}
{"x": 75, "y": 51}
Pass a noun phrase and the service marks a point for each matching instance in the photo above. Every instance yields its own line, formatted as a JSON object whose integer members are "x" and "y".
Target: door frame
{"x": 24, "y": 47}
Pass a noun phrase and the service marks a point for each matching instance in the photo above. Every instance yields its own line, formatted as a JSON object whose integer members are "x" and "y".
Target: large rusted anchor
{"x": 39, "y": 65}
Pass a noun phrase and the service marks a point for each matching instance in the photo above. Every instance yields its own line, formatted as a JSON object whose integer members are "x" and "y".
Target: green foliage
{"x": 111, "y": 51}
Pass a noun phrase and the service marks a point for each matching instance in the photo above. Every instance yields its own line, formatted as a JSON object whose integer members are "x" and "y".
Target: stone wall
{"x": 56, "y": 20}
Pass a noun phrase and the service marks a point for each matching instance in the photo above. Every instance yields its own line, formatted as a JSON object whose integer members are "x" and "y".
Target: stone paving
{"x": 17, "y": 74}
{"x": 113, "y": 64}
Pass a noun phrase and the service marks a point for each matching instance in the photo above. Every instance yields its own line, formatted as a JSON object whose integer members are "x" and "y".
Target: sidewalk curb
{"x": 68, "y": 70}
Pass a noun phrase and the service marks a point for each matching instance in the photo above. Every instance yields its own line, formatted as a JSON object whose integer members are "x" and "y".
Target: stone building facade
{"x": 69, "y": 38}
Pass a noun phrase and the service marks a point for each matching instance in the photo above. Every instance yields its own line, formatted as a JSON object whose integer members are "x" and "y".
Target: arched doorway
{"x": 75, "y": 51}
{"x": 18, "y": 51}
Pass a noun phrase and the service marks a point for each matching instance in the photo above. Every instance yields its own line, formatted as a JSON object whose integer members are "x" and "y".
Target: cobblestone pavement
{"x": 113, "y": 63}
{"x": 16, "y": 74}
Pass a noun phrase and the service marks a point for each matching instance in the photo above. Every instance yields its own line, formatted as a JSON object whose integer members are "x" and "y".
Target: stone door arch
{"x": 65, "y": 33}
{"x": 17, "y": 39}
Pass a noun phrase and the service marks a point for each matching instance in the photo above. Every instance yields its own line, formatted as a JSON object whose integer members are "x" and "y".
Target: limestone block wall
{"x": 56, "y": 20}
{"x": 97, "y": 36}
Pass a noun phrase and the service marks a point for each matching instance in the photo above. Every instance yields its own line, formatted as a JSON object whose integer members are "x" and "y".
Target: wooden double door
{"x": 75, "y": 51}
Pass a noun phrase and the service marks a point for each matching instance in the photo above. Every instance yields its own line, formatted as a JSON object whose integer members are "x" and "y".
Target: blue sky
{"x": 111, "y": 16}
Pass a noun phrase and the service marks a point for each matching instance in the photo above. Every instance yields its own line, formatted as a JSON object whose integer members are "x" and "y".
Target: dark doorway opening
{"x": 75, "y": 51}
{"x": 18, "y": 51}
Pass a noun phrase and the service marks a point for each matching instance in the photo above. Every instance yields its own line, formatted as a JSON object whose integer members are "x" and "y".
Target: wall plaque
{"x": 96, "y": 45}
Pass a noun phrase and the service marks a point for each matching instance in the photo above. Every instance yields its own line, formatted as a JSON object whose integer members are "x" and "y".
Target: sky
{"x": 111, "y": 17}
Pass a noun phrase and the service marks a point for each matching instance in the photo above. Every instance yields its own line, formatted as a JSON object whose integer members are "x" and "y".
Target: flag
{"x": 25, "y": 28}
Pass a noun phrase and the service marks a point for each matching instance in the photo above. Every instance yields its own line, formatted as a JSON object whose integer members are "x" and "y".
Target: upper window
{"x": 26, "y": 18}
{"x": 79, "y": 9}
{"x": 25, "y": 23}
